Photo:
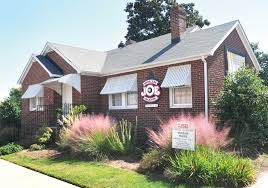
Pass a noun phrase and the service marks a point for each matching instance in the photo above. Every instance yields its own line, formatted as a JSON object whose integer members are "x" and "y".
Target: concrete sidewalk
{"x": 14, "y": 176}
{"x": 262, "y": 181}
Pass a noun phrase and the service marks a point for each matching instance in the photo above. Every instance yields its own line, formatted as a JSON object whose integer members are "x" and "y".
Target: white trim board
{"x": 49, "y": 47}
{"x": 32, "y": 59}
{"x": 244, "y": 40}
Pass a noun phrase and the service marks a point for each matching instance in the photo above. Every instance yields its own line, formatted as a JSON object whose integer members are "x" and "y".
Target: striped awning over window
{"x": 36, "y": 90}
{"x": 178, "y": 76}
{"x": 120, "y": 84}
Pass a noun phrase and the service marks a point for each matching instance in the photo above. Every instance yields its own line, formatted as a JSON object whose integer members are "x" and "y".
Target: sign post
{"x": 183, "y": 137}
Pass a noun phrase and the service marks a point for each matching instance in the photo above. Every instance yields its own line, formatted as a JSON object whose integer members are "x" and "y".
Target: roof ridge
{"x": 170, "y": 33}
{"x": 82, "y": 48}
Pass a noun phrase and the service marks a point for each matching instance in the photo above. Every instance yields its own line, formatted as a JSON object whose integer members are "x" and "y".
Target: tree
{"x": 243, "y": 106}
{"x": 263, "y": 60}
{"x": 10, "y": 108}
{"x": 151, "y": 18}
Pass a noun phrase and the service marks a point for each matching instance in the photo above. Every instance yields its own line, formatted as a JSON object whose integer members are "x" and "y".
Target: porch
{"x": 45, "y": 102}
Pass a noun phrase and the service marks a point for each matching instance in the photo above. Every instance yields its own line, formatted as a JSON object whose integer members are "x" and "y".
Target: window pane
{"x": 40, "y": 103}
{"x": 183, "y": 95}
{"x": 32, "y": 103}
{"x": 117, "y": 99}
{"x": 132, "y": 99}
{"x": 235, "y": 61}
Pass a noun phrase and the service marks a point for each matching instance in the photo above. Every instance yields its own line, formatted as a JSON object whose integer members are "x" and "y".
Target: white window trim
{"x": 36, "y": 106}
{"x": 124, "y": 103}
{"x": 171, "y": 100}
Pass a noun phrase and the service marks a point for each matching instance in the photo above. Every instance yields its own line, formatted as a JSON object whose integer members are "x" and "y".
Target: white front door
{"x": 67, "y": 94}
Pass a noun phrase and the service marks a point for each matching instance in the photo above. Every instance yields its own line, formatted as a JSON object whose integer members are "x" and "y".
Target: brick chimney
{"x": 177, "y": 23}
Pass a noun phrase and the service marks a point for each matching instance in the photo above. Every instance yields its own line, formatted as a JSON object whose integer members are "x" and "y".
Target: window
{"x": 123, "y": 100}
{"x": 36, "y": 104}
{"x": 180, "y": 97}
{"x": 132, "y": 99}
{"x": 117, "y": 99}
{"x": 235, "y": 61}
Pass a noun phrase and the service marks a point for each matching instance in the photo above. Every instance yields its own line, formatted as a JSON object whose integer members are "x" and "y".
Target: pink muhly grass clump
{"x": 87, "y": 125}
{"x": 206, "y": 132}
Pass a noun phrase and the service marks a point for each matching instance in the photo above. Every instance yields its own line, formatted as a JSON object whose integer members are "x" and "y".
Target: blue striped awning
{"x": 178, "y": 76}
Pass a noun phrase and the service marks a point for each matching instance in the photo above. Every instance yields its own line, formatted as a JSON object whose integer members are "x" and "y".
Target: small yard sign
{"x": 183, "y": 137}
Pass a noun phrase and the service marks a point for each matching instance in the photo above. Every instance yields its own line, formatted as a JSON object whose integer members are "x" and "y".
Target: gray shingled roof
{"x": 157, "y": 50}
{"x": 160, "y": 48}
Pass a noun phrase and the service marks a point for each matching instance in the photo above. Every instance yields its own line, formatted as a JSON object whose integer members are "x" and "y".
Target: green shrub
{"x": 77, "y": 110}
{"x": 95, "y": 147}
{"x": 153, "y": 161}
{"x": 89, "y": 135}
{"x": 10, "y": 148}
{"x": 44, "y": 135}
{"x": 210, "y": 167}
{"x": 243, "y": 106}
{"x": 36, "y": 147}
{"x": 121, "y": 139}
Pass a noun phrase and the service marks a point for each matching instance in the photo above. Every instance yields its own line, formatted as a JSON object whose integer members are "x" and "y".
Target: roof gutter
{"x": 146, "y": 66}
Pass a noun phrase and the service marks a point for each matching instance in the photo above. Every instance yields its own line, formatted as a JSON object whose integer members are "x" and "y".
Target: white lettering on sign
{"x": 151, "y": 90}
{"x": 151, "y": 105}
{"x": 183, "y": 138}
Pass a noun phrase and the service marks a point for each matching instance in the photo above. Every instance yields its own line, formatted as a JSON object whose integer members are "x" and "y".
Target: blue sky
{"x": 27, "y": 25}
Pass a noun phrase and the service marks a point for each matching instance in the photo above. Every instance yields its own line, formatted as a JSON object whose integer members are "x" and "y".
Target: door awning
{"x": 73, "y": 80}
{"x": 53, "y": 84}
{"x": 36, "y": 90}
{"x": 178, "y": 76}
{"x": 120, "y": 84}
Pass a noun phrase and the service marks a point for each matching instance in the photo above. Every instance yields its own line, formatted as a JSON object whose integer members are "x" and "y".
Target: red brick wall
{"x": 146, "y": 117}
{"x": 35, "y": 75}
{"x": 90, "y": 88}
{"x": 217, "y": 68}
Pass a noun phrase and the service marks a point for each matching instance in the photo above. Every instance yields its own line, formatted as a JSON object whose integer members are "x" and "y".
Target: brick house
{"x": 145, "y": 82}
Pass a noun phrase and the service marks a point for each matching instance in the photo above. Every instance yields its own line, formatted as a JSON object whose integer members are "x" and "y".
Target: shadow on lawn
{"x": 154, "y": 177}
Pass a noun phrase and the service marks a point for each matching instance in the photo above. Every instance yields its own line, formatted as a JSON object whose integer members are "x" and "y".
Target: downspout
{"x": 205, "y": 85}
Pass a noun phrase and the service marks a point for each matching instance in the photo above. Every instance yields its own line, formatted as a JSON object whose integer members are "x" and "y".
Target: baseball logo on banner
{"x": 151, "y": 90}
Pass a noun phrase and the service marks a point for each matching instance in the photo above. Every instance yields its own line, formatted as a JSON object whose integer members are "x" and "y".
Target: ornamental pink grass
{"x": 87, "y": 125}
{"x": 206, "y": 132}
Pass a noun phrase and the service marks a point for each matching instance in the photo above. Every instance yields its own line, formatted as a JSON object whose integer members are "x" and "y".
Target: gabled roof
{"x": 80, "y": 58}
{"x": 50, "y": 67}
{"x": 160, "y": 49}
{"x": 195, "y": 44}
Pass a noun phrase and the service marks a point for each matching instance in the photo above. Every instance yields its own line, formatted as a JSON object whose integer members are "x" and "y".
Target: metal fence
{"x": 9, "y": 131}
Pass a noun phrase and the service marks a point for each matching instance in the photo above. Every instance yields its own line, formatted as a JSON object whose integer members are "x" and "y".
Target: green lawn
{"x": 84, "y": 173}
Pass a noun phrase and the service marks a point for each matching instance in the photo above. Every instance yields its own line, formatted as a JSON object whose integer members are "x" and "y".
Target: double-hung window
{"x": 178, "y": 80}
{"x": 121, "y": 91}
{"x": 123, "y": 100}
{"x": 36, "y": 104}
{"x": 180, "y": 97}
{"x": 235, "y": 61}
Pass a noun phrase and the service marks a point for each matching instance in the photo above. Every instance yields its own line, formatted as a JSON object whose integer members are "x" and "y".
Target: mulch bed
{"x": 41, "y": 154}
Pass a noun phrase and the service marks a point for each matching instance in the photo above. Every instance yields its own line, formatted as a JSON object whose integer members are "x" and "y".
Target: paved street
{"x": 14, "y": 176}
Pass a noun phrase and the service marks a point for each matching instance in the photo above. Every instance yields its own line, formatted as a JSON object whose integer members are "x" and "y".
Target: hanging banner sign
{"x": 151, "y": 90}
